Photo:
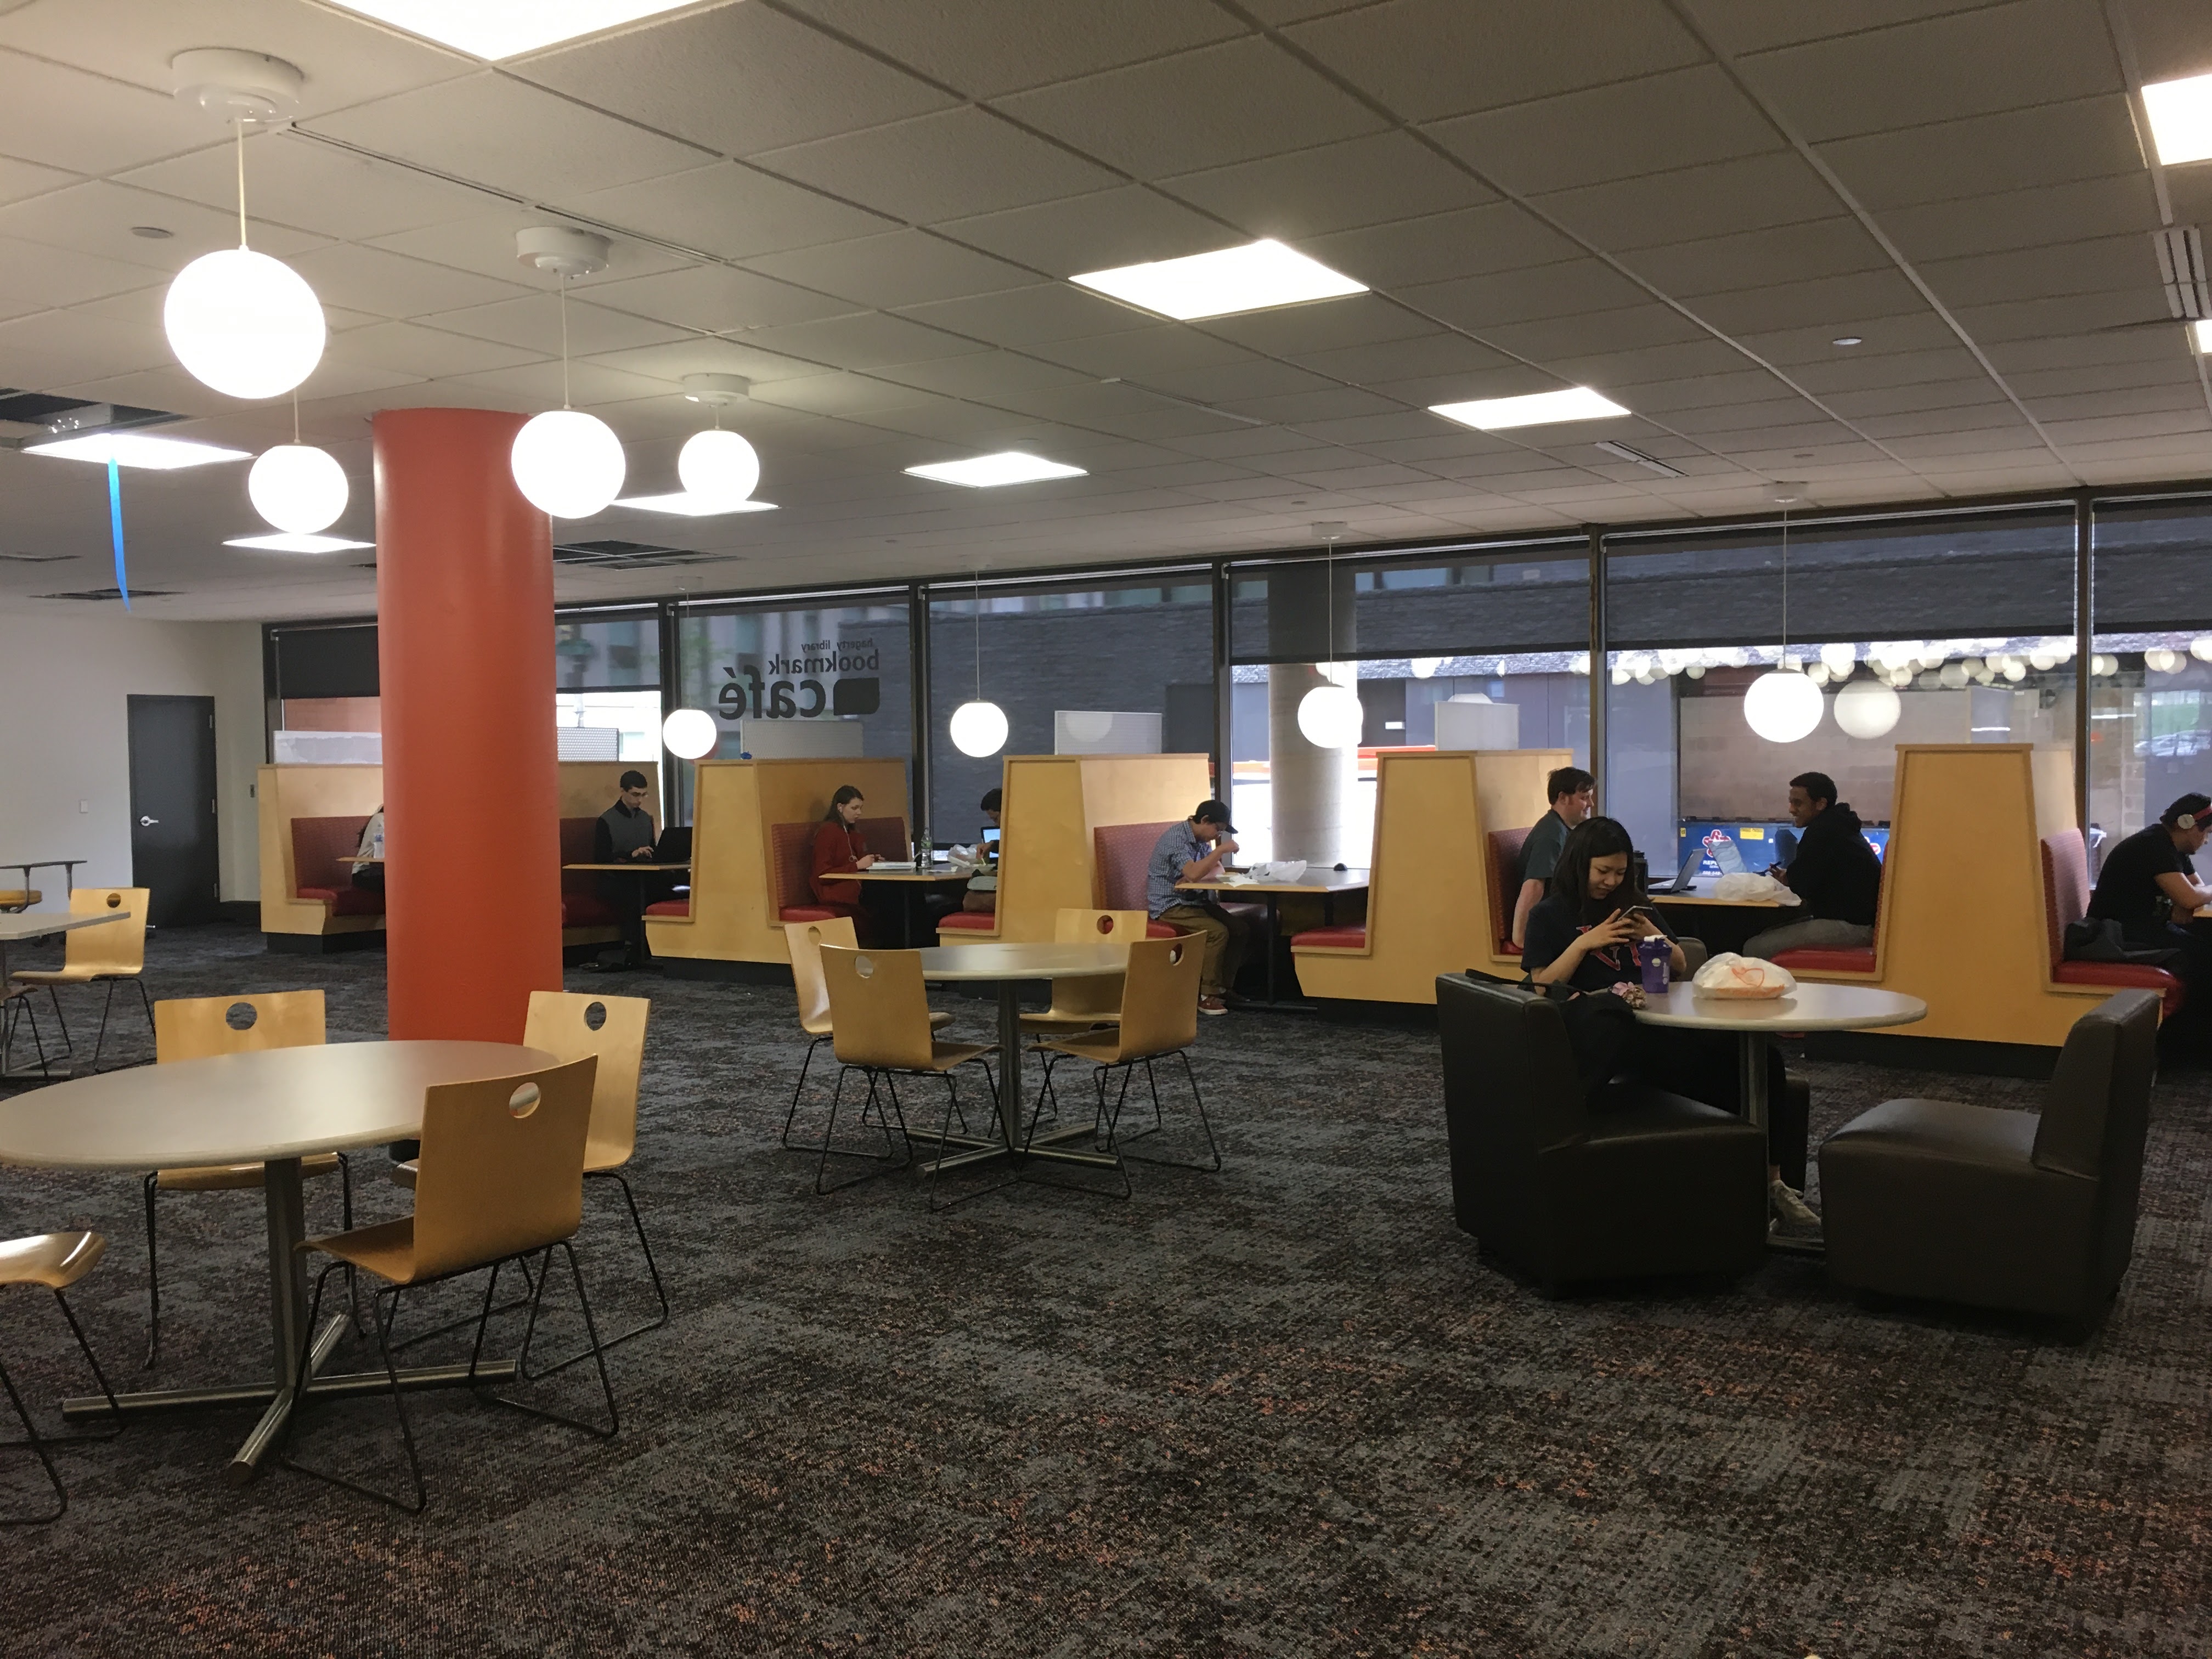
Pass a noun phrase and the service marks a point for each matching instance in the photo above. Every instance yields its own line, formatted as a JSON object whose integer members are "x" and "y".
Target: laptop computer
{"x": 990, "y": 837}
{"x": 1685, "y": 878}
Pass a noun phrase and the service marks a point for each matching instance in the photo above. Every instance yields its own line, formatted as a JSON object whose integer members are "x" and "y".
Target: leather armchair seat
{"x": 1632, "y": 1182}
{"x": 2032, "y": 1213}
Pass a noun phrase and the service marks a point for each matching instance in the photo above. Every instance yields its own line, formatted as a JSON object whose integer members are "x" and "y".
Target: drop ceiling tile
{"x": 533, "y": 324}
{"x": 1970, "y": 390}
{"x": 1385, "y": 177}
{"x": 1025, "y": 316}
{"x": 2089, "y": 208}
{"x": 2179, "y": 454}
{"x": 1759, "y": 258}
{"x": 716, "y": 300}
{"x": 1987, "y": 416}
{"x": 33, "y": 277}
{"x": 1838, "y": 304}
{"x": 1288, "y": 330}
{"x": 1431, "y": 59}
{"x": 1133, "y": 225}
{"x": 986, "y": 376}
{"x": 391, "y": 285}
{"x": 1720, "y": 200}
{"x": 1572, "y": 287}
{"x": 2075, "y": 267}
{"x": 51, "y": 349}
{"x": 2016, "y": 438}
{"x": 699, "y": 353}
{"x": 1144, "y": 354}
{"x": 1856, "y": 369}
{"x": 1777, "y": 407}
{"x": 949, "y": 164}
{"x": 1233, "y": 102}
{"x": 904, "y": 268}
{"x": 20, "y": 179}
{"x": 1751, "y": 25}
{"x": 1399, "y": 360}
{"x": 422, "y": 353}
{"x": 737, "y": 80}
{"x": 1657, "y": 123}
{"x": 61, "y": 117}
{"x": 844, "y": 395}
{"x": 1679, "y": 360}
{"x": 1938, "y": 69}
{"x": 1503, "y": 236}
{"x": 2174, "y": 375}
{"x": 2069, "y": 435}
{"x": 2075, "y": 314}
{"x": 729, "y": 210}
{"x": 1918, "y": 331}
{"x": 1956, "y": 160}
{"x": 2160, "y": 342}
{"x": 1661, "y": 399}
{"x": 95, "y": 218}
{"x": 310, "y": 188}
{"x": 541, "y": 386}
{"x": 988, "y": 48}
{"x": 492, "y": 129}
{"x": 1598, "y": 334}
{"x": 867, "y": 340}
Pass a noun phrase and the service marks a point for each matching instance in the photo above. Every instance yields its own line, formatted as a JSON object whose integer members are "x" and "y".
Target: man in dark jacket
{"x": 1836, "y": 874}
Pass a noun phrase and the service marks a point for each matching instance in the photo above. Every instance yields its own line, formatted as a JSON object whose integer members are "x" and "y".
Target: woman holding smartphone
{"x": 1583, "y": 934}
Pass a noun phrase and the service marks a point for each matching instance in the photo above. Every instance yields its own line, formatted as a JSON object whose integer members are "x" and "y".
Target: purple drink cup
{"x": 1654, "y": 955}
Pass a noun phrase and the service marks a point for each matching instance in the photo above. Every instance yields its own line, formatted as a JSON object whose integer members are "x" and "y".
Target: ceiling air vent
{"x": 1641, "y": 459}
{"x": 624, "y": 556}
{"x": 35, "y": 558}
{"x": 31, "y": 417}
{"x": 2181, "y": 268}
{"x": 112, "y": 593}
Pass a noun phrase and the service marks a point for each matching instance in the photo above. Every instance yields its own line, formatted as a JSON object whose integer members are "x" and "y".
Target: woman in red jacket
{"x": 839, "y": 851}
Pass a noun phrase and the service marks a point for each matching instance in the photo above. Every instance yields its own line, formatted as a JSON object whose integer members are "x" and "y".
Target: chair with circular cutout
{"x": 106, "y": 955}
{"x": 54, "y": 1261}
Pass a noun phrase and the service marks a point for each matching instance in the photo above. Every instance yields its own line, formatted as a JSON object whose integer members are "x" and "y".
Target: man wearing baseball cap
{"x": 1197, "y": 850}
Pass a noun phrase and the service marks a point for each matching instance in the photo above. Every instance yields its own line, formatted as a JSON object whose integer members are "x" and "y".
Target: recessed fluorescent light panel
{"x": 2180, "y": 118}
{"x": 286, "y": 542}
{"x": 691, "y": 507}
{"x": 134, "y": 449}
{"x": 1542, "y": 408}
{"x": 989, "y": 472}
{"x": 2200, "y": 332}
{"x": 504, "y": 28}
{"x": 1251, "y": 278}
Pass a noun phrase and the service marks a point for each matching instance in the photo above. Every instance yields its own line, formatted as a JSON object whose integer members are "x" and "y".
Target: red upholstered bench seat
{"x": 670, "y": 908}
{"x": 791, "y": 913}
{"x": 2121, "y": 975}
{"x": 347, "y": 901}
{"x": 1331, "y": 938}
{"x": 1162, "y": 930}
{"x": 1851, "y": 959}
{"x": 586, "y": 910}
{"x": 979, "y": 921}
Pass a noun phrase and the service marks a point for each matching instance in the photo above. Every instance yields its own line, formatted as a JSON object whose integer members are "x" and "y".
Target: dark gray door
{"x": 174, "y": 854}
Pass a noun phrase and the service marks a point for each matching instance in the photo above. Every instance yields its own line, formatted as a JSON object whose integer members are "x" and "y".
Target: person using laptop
{"x": 1836, "y": 875}
{"x": 624, "y": 834}
{"x": 841, "y": 851}
{"x": 1573, "y": 794}
{"x": 982, "y": 897}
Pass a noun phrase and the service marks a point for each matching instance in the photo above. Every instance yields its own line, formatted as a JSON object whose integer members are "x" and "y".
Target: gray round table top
{"x": 946, "y": 962}
{"x": 1810, "y": 1007}
{"x": 245, "y": 1108}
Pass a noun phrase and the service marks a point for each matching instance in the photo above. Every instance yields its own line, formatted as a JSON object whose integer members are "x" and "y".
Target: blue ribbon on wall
{"x": 115, "y": 523}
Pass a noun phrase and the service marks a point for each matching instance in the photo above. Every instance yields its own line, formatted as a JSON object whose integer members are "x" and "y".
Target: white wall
{"x": 64, "y": 736}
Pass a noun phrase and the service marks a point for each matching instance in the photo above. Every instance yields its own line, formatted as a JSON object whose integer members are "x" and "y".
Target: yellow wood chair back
{"x": 1073, "y": 998}
{"x": 879, "y": 1006}
{"x": 806, "y": 940}
{"x": 1159, "y": 996}
{"x": 118, "y": 947}
{"x": 501, "y": 1170}
{"x": 560, "y": 1024}
{"x": 193, "y": 1028}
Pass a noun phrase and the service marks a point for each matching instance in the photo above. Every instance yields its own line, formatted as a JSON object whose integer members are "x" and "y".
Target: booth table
{"x": 67, "y": 866}
{"x": 271, "y": 1107}
{"x": 1723, "y": 924}
{"x": 910, "y": 884}
{"x": 1329, "y": 885}
{"x": 19, "y": 927}
{"x": 1007, "y": 966}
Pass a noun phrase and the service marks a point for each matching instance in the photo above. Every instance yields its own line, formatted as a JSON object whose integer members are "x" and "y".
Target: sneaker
{"x": 1793, "y": 1217}
{"x": 1212, "y": 1006}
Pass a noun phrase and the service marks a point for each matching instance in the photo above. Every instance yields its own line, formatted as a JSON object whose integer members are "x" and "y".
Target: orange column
{"x": 464, "y": 651}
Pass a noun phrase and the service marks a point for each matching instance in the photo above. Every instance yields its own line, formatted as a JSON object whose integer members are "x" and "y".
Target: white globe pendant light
{"x": 1782, "y": 706}
{"x": 720, "y": 468}
{"x": 298, "y": 488}
{"x": 1868, "y": 709}
{"x": 567, "y": 463}
{"x": 1331, "y": 717}
{"x": 244, "y": 324}
{"x": 689, "y": 733}
{"x": 979, "y": 729}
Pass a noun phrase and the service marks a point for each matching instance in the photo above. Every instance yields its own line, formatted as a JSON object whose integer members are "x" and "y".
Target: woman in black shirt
{"x": 1582, "y": 935}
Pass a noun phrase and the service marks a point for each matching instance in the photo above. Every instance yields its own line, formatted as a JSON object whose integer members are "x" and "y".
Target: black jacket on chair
{"x": 1634, "y": 1181}
{"x": 2003, "y": 1209}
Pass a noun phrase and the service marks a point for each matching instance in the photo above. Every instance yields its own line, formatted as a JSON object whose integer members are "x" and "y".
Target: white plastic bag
{"x": 1728, "y": 975}
{"x": 1745, "y": 886}
{"x": 1279, "y": 870}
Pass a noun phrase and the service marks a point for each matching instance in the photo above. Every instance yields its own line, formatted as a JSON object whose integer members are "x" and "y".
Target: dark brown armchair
{"x": 1634, "y": 1181}
{"x": 2003, "y": 1209}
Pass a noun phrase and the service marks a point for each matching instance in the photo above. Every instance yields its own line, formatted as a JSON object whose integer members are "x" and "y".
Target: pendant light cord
{"x": 1784, "y": 663}
{"x": 240, "y": 124}
{"x": 979, "y": 635}
{"x": 564, "y": 343}
{"x": 295, "y": 414}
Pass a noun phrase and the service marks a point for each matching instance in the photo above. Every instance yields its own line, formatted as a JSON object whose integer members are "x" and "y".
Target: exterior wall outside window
{"x": 2150, "y": 708}
{"x": 607, "y": 672}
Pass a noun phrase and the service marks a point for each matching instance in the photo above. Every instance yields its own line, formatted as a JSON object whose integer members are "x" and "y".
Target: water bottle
{"x": 1655, "y": 955}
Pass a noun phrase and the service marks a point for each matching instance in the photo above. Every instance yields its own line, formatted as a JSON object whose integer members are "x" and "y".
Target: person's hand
{"x": 1224, "y": 846}
{"x": 865, "y": 860}
{"x": 640, "y": 852}
{"x": 1618, "y": 928}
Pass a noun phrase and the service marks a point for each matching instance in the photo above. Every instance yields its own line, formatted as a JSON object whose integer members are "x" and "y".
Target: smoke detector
{"x": 564, "y": 250}
{"x": 717, "y": 391}
{"x": 239, "y": 86}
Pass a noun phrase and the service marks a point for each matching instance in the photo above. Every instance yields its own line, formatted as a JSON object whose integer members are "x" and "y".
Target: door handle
{"x": 146, "y": 823}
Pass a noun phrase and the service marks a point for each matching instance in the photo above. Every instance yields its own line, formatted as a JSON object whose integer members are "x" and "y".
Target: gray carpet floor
{"x": 1282, "y": 1410}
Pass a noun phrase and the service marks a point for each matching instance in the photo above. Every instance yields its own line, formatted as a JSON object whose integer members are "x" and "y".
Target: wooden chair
{"x": 500, "y": 1178}
{"x": 879, "y": 1012}
{"x": 55, "y": 1261}
{"x": 806, "y": 940}
{"x": 194, "y": 1028}
{"x": 108, "y": 954}
{"x": 14, "y": 1002}
{"x": 1082, "y": 1004}
{"x": 1159, "y": 1018}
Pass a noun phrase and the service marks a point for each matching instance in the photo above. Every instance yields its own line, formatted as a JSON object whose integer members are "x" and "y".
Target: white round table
{"x": 1007, "y": 966}
{"x": 1753, "y": 1020}
{"x": 273, "y": 1107}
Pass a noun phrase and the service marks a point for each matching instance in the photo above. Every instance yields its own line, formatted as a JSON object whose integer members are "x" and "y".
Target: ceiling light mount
{"x": 564, "y": 250}
{"x": 717, "y": 391}
{"x": 236, "y": 85}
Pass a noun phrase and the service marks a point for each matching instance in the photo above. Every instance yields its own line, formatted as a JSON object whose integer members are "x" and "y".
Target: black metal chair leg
{"x": 114, "y": 1407}
{"x": 829, "y": 1132}
{"x": 30, "y": 1017}
{"x": 1212, "y": 1167}
{"x": 799, "y": 1088}
{"x": 597, "y": 1352}
{"x": 100, "y": 1043}
{"x": 153, "y": 1279}
{"x": 68, "y": 1050}
{"x": 383, "y": 1327}
{"x": 659, "y": 1291}
{"x": 36, "y": 1444}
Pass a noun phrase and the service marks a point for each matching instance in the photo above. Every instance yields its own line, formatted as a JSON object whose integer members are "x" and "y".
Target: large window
{"x": 1932, "y": 630}
{"x": 1122, "y": 666}
{"x": 790, "y": 682}
{"x": 2150, "y": 706}
{"x": 606, "y": 670}
{"x": 1483, "y": 651}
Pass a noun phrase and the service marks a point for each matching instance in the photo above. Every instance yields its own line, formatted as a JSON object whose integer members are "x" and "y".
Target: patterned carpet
{"x": 1279, "y": 1411}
